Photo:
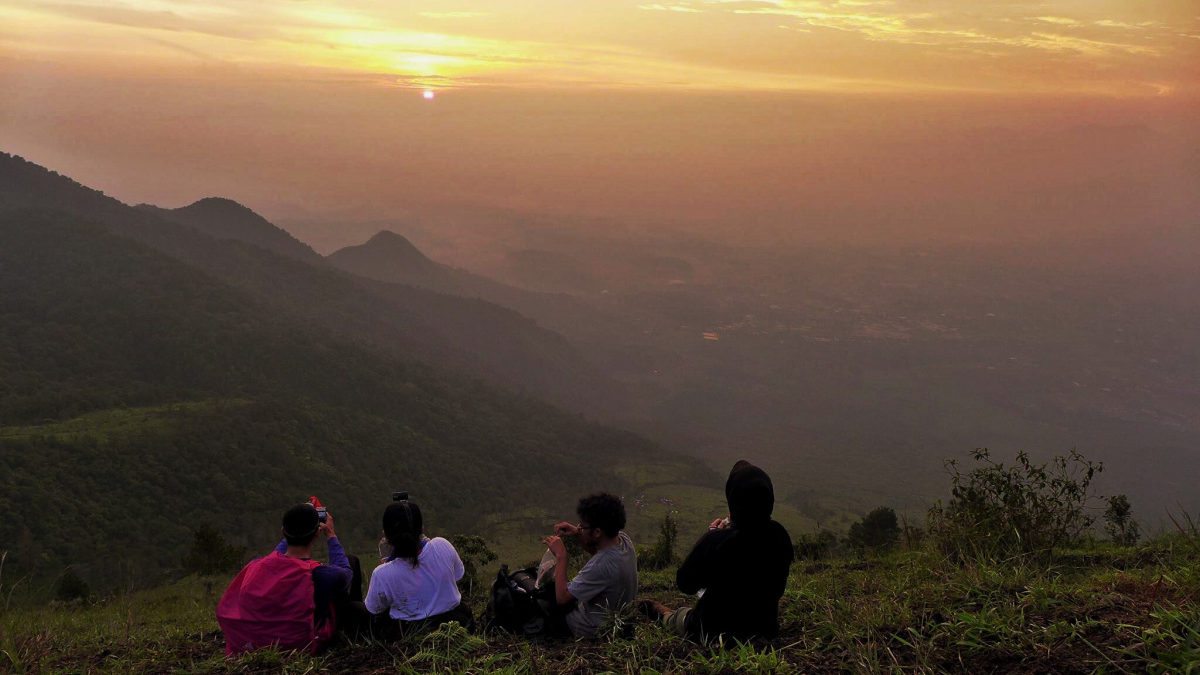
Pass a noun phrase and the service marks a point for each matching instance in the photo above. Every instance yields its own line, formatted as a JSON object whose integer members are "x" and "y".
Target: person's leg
{"x": 356, "y": 581}
{"x": 353, "y": 619}
{"x": 383, "y": 627}
{"x": 461, "y": 614}
{"x": 676, "y": 621}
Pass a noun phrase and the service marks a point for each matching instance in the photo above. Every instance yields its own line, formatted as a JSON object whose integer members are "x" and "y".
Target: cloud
{"x": 1119, "y": 46}
{"x": 453, "y": 15}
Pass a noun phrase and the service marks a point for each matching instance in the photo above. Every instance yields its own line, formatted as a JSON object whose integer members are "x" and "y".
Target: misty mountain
{"x": 468, "y": 335}
{"x": 143, "y": 397}
{"x": 391, "y": 257}
{"x": 388, "y": 256}
{"x": 227, "y": 219}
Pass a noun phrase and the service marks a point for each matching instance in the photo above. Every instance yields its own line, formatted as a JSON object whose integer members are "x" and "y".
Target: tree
{"x": 211, "y": 554}
{"x": 662, "y": 554}
{"x": 1119, "y": 522}
{"x": 71, "y": 587}
{"x": 474, "y": 552}
{"x": 878, "y": 531}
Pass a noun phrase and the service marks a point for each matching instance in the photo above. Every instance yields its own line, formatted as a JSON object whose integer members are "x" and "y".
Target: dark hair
{"x": 403, "y": 527}
{"x": 300, "y": 525}
{"x": 603, "y": 511}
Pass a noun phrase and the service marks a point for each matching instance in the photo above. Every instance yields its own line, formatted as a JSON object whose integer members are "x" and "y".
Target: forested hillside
{"x": 141, "y": 397}
{"x": 470, "y": 336}
{"x": 226, "y": 219}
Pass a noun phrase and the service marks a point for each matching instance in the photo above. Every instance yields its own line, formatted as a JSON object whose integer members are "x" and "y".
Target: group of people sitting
{"x": 738, "y": 569}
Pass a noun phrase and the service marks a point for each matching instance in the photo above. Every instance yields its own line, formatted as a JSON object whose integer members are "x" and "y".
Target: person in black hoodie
{"x": 741, "y": 565}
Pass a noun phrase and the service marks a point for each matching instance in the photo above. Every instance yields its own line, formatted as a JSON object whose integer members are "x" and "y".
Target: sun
{"x": 427, "y": 94}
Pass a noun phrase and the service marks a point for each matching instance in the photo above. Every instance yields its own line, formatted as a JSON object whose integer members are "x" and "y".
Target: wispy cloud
{"x": 1122, "y": 46}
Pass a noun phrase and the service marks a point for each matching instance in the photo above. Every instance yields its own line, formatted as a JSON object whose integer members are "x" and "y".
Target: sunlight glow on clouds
{"x": 1111, "y": 47}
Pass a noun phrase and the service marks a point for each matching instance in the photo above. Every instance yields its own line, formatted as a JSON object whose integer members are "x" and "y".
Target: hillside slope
{"x": 471, "y": 336}
{"x": 141, "y": 398}
{"x": 226, "y": 219}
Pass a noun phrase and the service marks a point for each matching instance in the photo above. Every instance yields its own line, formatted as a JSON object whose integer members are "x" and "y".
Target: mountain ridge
{"x": 465, "y": 334}
{"x": 227, "y": 219}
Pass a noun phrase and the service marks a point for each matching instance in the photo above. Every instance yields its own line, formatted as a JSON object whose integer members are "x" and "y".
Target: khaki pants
{"x": 676, "y": 622}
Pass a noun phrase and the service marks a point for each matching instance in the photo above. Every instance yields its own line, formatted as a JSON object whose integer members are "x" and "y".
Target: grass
{"x": 1096, "y": 609}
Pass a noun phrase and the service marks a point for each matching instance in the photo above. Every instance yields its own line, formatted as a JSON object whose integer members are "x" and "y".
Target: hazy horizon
{"x": 760, "y": 121}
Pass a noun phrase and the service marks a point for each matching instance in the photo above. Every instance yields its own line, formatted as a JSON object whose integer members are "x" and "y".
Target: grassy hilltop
{"x": 1099, "y": 608}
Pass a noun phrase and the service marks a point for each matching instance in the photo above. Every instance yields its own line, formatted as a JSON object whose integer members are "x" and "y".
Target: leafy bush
{"x": 474, "y": 552}
{"x": 662, "y": 554}
{"x": 71, "y": 587}
{"x": 878, "y": 531}
{"x": 448, "y": 648}
{"x": 1119, "y": 522}
{"x": 211, "y": 554}
{"x": 815, "y": 546}
{"x": 1022, "y": 509}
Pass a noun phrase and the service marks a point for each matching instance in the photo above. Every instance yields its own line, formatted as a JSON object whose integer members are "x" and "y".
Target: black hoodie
{"x": 743, "y": 568}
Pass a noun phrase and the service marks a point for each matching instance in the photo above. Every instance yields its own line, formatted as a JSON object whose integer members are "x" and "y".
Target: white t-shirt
{"x": 414, "y": 593}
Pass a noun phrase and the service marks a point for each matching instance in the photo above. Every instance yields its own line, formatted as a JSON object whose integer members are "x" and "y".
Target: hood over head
{"x": 750, "y": 495}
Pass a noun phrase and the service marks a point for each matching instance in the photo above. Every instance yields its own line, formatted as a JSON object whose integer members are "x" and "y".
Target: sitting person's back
{"x": 286, "y": 599}
{"x": 419, "y": 583}
{"x": 742, "y": 565}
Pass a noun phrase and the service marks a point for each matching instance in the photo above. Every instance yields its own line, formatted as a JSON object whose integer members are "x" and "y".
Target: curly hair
{"x": 604, "y": 511}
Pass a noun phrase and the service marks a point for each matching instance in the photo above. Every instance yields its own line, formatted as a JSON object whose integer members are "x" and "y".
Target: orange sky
{"x": 838, "y": 112}
{"x": 1121, "y": 47}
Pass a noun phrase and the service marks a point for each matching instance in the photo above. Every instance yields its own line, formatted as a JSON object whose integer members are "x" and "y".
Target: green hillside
{"x": 470, "y": 336}
{"x": 142, "y": 398}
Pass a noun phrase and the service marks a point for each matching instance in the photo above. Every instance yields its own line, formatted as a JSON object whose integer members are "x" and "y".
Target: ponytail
{"x": 403, "y": 528}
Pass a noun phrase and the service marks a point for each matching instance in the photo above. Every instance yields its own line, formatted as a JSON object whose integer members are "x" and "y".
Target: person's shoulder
{"x": 441, "y": 546}
{"x": 780, "y": 533}
{"x": 385, "y": 570}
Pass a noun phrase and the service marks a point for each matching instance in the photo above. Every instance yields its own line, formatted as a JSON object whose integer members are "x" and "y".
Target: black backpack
{"x": 517, "y": 605}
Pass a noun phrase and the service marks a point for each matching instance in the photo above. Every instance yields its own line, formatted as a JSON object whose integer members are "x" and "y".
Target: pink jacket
{"x": 270, "y": 602}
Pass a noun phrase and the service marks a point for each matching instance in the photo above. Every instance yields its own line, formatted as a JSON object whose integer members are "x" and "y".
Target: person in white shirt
{"x": 417, "y": 585}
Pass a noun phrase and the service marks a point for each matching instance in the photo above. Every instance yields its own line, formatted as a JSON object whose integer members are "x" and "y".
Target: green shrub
{"x": 447, "y": 648}
{"x": 662, "y": 554}
{"x": 1119, "y": 522}
{"x": 211, "y": 554}
{"x": 474, "y": 552}
{"x": 816, "y": 546}
{"x": 878, "y": 531}
{"x": 71, "y": 587}
{"x": 999, "y": 511}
